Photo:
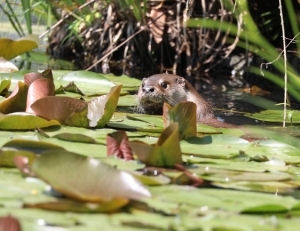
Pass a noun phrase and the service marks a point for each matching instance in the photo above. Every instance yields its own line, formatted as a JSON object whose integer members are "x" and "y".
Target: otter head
{"x": 157, "y": 89}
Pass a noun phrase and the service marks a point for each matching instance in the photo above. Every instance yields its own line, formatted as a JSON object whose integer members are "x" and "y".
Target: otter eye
{"x": 164, "y": 84}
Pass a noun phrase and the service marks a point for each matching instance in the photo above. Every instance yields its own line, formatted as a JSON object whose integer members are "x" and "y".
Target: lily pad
{"x": 30, "y": 145}
{"x": 92, "y": 181}
{"x": 75, "y": 112}
{"x": 184, "y": 113}
{"x": 24, "y": 121}
{"x": 12, "y": 48}
{"x": 165, "y": 153}
{"x": 214, "y": 146}
{"x": 88, "y": 82}
{"x": 16, "y": 102}
{"x": 275, "y": 116}
{"x": 67, "y": 205}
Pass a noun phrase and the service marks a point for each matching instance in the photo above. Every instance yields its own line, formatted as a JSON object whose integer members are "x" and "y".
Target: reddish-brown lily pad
{"x": 75, "y": 112}
{"x": 117, "y": 145}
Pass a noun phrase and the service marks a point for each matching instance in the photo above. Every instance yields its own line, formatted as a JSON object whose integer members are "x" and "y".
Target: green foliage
{"x": 251, "y": 39}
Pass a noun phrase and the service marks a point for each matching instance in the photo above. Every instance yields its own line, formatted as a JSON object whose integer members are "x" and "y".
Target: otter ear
{"x": 180, "y": 81}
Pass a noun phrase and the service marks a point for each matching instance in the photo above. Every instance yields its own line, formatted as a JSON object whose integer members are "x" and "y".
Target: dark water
{"x": 231, "y": 104}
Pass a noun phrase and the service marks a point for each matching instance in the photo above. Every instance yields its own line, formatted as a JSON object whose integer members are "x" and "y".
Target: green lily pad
{"x": 214, "y": 146}
{"x": 24, "y": 121}
{"x": 275, "y": 116}
{"x": 30, "y": 145}
{"x": 16, "y": 102}
{"x": 81, "y": 184}
{"x": 226, "y": 200}
{"x": 184, "y": 113}
{"x": 67, "y": 205}
{"x": 87, "y": 81}
{"x": 165, "y": 153}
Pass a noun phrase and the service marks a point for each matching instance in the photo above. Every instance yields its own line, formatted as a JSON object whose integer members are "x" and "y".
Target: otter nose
{"x": 148, "y": 89}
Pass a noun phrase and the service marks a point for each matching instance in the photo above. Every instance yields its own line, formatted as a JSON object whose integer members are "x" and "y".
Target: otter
{"x": 172, "y": 89}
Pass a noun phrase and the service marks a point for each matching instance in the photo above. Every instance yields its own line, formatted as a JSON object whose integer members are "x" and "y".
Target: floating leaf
{"x": 24, "y": 121}
{"x": 75, "y": 137}
{"x": 71, "y": 87}
{"x": 214, "y": 146}
{"x": 279, "y": 187}
{"x": 7, "y": 66}
{"x": 30, "y": 77}
{"x": 40, "y": 88}
{"x": 32, "y": 146}
{"x": 226, "y": 200}
{"x": 12, "y": 48}
{"x": 24, "y": 165}
{"x": 274, "y": 116}
{"x": 101, "y": 109}
{"x": 92, "y": 181}
{"x": 67, "y": 205}
{"x": 88, "y": 82}
{"x": 7, "y": 156}
{"x": 4, "y": 85}
{"x": 117, "y": 144}
{"x": 165, "y": 153}
{"x": 9, "y": 223}
{"x": 75, "y": 112}
{"x": 16, "y": 102}
{"x": 184, "y": 113}
{"x": 151, "y": 180}
{"x": 66, "y": 110}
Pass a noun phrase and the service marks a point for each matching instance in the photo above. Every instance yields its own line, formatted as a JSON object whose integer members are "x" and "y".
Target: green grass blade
{"x": 27, "y": 14}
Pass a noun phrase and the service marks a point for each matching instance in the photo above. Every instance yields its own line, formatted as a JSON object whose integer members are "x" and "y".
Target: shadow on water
{"x": 231, "y": 104}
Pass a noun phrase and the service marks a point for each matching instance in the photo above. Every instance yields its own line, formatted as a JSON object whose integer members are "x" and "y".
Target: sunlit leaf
{"x": 39, "y": 89}
{"x": 29, "y": 145}
{"x": 88, "y": 82}
{"x": 165, "y": 153}
{"x": 7, "y": 66}
{"x": 274, "y": 116}
{"x": 265, "y": 186}
{"x": 30, "y": 77}
{"x": 16, "y": 102}
{"x": 92, "y": 181}
{"x": 67, "y": 205}
{"x": 12, "y": 48}
{"x": 151, "y": 180}
{"x": 75, "y": 112}
{"x": 184, "y": 113}
{"x": 214, "y": 146}
{"x": 24, "y": 121}
{"x": 75, "y": 137}
{"x": 226, "y": 200}
{"x": 272, "y": 149}
{"x": 66, "y": 110}
{"x": 7, "y": 156}
{"x": 4, "y": 85}
{"x": 71, "y": 87}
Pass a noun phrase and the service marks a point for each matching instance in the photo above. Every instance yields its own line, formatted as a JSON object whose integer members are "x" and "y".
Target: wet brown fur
{"x": 172, "y": 89}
